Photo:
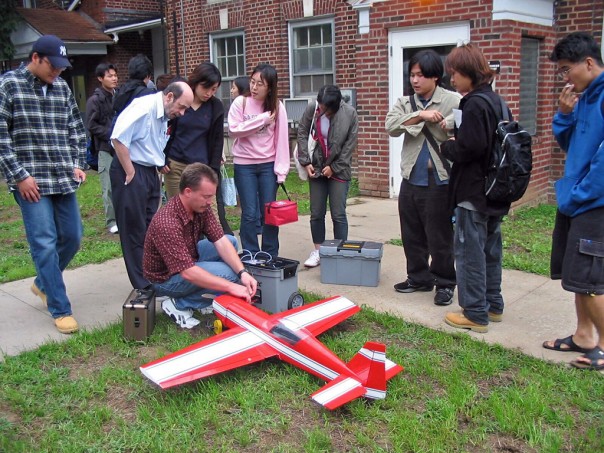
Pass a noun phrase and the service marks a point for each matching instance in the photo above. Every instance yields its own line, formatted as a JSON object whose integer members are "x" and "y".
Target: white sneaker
{"x": 113, "y": 229}
{"x": 206, "y": 310}
{"x": 184, "y": 318}
{"x": 313, "y": 260}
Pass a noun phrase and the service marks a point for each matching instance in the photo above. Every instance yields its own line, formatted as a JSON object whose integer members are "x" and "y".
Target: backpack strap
{"x": 431, "y": 139}
{"x": 505, "y": 116}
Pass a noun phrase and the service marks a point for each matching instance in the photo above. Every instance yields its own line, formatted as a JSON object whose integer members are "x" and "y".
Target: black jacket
{"x": 124, "y": 95}
{"x": 99, "y": 116}
{"x": 215, "y": 135}
{"x": 470, "y": 152}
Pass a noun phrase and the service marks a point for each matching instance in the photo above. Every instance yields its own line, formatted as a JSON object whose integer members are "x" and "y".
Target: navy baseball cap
{"x": 54, "y": 49}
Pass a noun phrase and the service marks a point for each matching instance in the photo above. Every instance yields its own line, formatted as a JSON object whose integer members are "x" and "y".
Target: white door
{"x": 403, "y": 44}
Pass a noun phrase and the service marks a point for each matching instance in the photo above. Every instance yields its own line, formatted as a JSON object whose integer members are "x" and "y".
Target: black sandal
{"x": 594, "y": 356}
{"x": 568, "y": 341}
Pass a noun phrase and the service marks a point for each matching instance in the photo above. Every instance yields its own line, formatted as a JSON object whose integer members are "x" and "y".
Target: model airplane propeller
{"x": 254, "y": 335}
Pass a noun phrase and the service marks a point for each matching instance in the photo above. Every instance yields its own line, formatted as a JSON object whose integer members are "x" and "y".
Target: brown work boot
{"x": 459, "y": 321}
{"x": 495, "y": 317}
{"x": 38, "y": 292}
{"x": 66, "y": 324}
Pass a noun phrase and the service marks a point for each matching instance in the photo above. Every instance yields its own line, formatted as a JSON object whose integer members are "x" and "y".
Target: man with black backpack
{"x": 578, "y": 238}
{"x": 99, "y": 118}
{"x": 478, "y": 243}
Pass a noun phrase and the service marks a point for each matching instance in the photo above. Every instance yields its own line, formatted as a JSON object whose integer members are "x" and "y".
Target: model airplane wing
{"x": 322, "y": 315}
{"x": 232, "y": 349}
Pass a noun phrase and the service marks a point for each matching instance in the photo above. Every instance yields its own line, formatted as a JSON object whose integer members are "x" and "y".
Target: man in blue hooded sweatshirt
{"x": 578, "y": 238}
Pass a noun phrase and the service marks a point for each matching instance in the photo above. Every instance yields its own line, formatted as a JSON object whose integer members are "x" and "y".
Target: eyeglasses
{"x": 53, "y": 67}
{"x": 564, "y": 71}
{"x": 258, "y": 83}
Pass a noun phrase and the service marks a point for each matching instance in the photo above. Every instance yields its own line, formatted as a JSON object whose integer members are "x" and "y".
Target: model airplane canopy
{"x": 254, "y": 335}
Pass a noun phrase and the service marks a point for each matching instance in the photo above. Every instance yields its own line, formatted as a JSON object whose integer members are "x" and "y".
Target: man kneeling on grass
{"x": 188, "y": 270}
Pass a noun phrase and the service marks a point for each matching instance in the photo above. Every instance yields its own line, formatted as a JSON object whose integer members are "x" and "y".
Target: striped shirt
{"x": 41, "y": 135}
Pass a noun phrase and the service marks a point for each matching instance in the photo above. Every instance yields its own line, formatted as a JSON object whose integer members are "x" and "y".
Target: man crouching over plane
{"x": 183, "y": 267}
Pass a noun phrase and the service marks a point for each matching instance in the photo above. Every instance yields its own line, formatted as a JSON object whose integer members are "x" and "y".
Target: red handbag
{"x": 281, "y": 212}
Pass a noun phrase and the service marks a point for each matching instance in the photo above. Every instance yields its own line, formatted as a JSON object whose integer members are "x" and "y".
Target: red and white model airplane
{"x": 254, "y": 335}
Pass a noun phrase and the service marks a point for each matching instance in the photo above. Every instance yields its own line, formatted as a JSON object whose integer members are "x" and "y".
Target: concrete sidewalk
{"x": 536, "y": 307}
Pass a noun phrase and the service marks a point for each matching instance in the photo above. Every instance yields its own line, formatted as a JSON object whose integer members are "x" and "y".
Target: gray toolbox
{"x": 277, "y": 283}
{"x": 139, "y": 315}
{"x": 351, "y": 262}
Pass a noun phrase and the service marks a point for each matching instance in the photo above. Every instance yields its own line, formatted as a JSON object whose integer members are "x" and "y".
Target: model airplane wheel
{"x": 217, "y": 326}
{"x": 295, "y": 300}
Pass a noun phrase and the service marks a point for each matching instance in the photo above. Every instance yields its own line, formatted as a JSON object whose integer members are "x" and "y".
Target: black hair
{"x": 331, "y": 97}
{"x": 243, "y": 85}
{"x": 193, "y": 174}
{"x": 102, "y": 69}
{"x": 576, "y": 47}
{"x": 429, "y": 63}
{"x": 205, "y": 74}
{"x": 268, "y": 74}
{"x": 140, "y": 67}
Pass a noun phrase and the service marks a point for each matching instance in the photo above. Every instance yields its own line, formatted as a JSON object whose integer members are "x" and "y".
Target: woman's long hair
{"x": 268, "y": 74}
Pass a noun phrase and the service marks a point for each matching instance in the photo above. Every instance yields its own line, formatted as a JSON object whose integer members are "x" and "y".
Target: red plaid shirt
{"x": 171, "y": 241}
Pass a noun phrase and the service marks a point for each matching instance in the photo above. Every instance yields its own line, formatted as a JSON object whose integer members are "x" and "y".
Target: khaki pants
{"x": 172, "y": 182}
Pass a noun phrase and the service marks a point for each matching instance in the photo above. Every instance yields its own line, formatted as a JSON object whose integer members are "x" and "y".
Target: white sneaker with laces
{"x": 313, "y": 260}
{"x": 184, "y": 318}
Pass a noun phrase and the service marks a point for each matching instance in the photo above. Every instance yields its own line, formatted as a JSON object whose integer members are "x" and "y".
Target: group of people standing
{"x": 451, "y": 231}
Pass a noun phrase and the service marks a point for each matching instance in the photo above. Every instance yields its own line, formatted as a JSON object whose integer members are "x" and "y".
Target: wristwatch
{"x": 240, "y": 273}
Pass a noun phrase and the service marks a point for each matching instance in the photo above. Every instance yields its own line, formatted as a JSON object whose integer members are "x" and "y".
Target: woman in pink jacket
{"x": 260, "y": 155}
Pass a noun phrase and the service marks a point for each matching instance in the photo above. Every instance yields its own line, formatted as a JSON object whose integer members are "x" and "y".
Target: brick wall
{"x": 362, "y": 61}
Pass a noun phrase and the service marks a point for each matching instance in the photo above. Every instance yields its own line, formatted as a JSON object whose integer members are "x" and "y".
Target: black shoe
{"x": 409, "y": 287}
{"x": 443, "y": 296}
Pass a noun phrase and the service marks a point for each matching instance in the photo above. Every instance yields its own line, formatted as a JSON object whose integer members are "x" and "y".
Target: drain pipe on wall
{"x": 184, "y": 44}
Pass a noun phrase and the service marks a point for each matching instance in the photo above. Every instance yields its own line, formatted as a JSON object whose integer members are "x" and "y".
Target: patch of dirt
{"x": 509, "y": 444}
{"x": 7, "y": 413}
{"x": 91, "y": 365}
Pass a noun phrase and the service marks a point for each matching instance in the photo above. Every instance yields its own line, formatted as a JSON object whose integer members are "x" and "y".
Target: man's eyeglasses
{"x": 53, "y": 67}
{"x": 564, "y": 71}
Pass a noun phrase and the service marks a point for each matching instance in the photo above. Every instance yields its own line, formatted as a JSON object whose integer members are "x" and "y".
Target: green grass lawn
{"x": 456, "y": 395}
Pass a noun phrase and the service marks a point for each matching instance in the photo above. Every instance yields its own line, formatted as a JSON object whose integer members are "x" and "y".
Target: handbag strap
{"x": 431, "y": 138}
{"x": 282, "y": 185}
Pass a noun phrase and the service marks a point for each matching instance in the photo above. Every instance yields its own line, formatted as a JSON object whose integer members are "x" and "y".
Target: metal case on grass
{"x": 139, "y": 315}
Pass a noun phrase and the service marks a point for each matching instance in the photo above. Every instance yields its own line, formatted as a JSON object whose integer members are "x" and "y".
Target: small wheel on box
{"x": 217, "y": 326}
{"x": 295, "y": 300}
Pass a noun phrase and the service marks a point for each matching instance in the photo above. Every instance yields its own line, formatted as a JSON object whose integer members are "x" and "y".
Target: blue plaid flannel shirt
{"x": 40, "y": 136}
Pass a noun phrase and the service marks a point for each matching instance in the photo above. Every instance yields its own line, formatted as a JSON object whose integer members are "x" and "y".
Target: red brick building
{"x": 363, "y": 46}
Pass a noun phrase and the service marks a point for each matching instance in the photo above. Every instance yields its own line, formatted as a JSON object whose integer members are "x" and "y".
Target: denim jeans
{"x": 54, "y": 230}
{"x": 187, "y": 295}
{"x": 478, "y": 254}
{"x": 256, "y": 185}
{"x": 337, "y": 191}
{"x": 105, "y": 160}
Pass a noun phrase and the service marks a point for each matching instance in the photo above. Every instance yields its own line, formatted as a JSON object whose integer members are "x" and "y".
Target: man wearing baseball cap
{"x": 42, "y": 156}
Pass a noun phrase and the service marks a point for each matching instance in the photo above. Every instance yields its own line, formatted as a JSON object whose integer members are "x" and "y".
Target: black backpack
{"x": 511, "y": 161}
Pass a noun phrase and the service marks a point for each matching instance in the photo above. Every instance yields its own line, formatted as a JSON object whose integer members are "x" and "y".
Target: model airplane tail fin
{"x": 372, "y": 366}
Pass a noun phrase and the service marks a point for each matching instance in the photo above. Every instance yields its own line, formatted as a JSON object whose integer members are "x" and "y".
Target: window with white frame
{"x": 228, "y": 54}
{"x": 529, "y": 72}
{"x": 312, "y": 56}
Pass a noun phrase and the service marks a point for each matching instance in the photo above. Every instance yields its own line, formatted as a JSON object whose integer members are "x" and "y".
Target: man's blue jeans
{"x": 187, "y": 295}
{"x": 54, "y": 230}
{"x": 478, "y": 254}
{"x": 256, "y": 185}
